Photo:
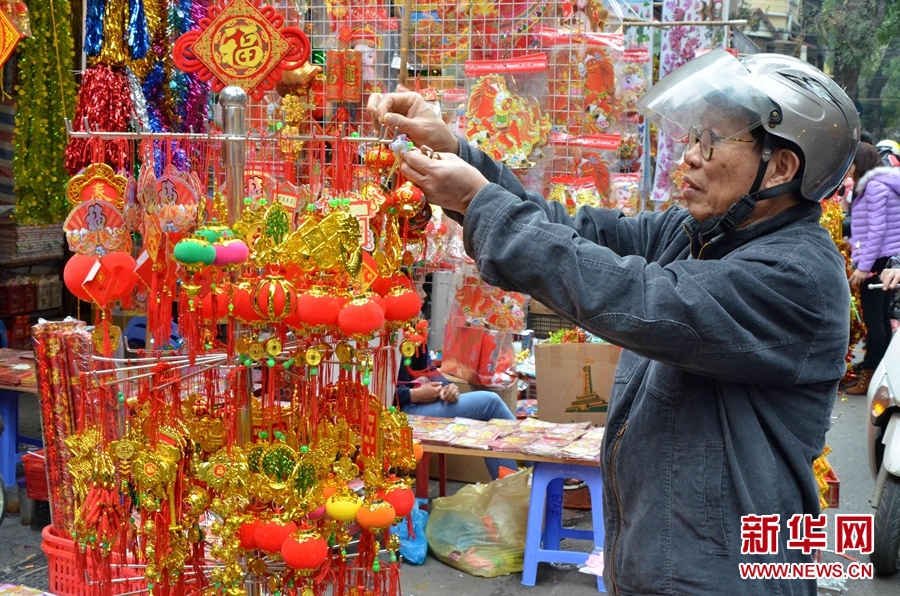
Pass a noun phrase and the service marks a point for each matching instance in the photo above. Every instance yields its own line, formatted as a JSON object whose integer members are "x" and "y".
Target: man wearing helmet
{"x": 732, "y": 314}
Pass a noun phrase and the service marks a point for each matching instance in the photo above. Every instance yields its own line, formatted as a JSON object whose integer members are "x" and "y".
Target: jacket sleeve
{"x": 876, "y": 201}
{"x": 606, "y": 227}
{"x": 757, "y": 316}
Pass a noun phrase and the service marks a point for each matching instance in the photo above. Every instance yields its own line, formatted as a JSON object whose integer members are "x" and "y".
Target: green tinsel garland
{"x": 46, "y": 95}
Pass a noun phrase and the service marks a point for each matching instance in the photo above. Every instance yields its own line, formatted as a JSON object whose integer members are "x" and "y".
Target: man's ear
{"x": 782, "y": 167}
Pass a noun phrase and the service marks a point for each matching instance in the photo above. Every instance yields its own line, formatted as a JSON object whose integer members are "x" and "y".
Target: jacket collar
{"x": 718, "y": 247}
{"x": 889, "y": 171}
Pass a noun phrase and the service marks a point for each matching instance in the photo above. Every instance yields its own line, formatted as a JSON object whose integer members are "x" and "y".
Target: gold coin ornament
{"x": 273, "y": 346}
{"x": 343, "y": 352}
{"x": 313, "y": 356}
{"x": 256, "y": 351}
{"x": 408, "y": 349}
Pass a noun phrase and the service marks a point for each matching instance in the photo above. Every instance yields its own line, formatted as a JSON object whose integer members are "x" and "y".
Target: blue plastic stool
{"x": 544, "y": 532}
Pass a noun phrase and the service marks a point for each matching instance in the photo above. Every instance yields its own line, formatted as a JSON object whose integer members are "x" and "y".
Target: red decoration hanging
{"x": 361, "y": 316}
{"x": 401, "y": 304}
{"x": 304, "y": 551}
{"x": 241, "y": 43}
{"x": 318, "y": 308}
{"x": 269, "y": 537}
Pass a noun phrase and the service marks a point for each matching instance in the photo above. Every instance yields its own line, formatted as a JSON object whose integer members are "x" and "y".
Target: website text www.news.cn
{"x": 759, "y": 536}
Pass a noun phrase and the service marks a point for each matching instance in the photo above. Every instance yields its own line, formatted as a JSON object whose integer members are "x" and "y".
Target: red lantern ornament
{"x": 274, "y": 298}
{"x": 221, "y": 306}
{"x": 379, "y": 160}
{"x": 270, "y": 536}
{"x": 401, "y": 304}
{"x": 401, "y": 497}
{"x": 294, "y": 319}
{"x": 319, "y": 308}
{"x": 304, "y": 551}
{"x": 361, "y": 316}
{"x": 407, "y": 200}
{"x": 243, "y": 306}
{"x": 376, "y": 516}
{"x": 248, "y": 534}
{"x": 122, "y": 266}
{"x": 76, "y": 270}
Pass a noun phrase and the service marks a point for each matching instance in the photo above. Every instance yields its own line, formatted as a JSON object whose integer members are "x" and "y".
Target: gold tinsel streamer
{"x": 45, "y": 96}
{"x": 114, "y": 51}
{"x": 821, "y": 469}
{"x": 832, "y": 220}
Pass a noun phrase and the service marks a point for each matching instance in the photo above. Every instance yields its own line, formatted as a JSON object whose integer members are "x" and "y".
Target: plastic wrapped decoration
{"x": 505, "y": 114}
{"x": 583, "y": 96}
{"x": 579, "y": 173}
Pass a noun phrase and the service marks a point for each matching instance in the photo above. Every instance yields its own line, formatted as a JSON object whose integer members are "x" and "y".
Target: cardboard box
{"x": 574, "y": 381}
{"x": 461, "y": 468}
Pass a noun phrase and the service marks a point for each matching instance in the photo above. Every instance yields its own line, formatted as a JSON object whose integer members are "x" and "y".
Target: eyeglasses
{"x": 708, "y": 140}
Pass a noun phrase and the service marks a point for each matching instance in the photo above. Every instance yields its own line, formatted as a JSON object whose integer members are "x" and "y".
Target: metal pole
{"x": 233, "y": 101}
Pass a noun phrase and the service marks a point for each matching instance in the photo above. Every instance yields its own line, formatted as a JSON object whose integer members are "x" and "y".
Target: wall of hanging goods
{"x": 228, "y": 191}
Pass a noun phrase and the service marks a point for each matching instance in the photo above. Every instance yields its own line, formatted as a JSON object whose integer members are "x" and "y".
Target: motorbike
{"x": 883, "y": 432}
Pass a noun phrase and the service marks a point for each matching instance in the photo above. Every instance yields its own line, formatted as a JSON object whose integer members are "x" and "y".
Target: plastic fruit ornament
{"x": 418, "y": 451}
{"x": 304, "y": 550}
{"x": 77, "y": 268}
{"x": 274, "y": 298}
{"x": 343, "y": 505}
{"x": 376, "y": 516}
{"x": 270, "y": 536}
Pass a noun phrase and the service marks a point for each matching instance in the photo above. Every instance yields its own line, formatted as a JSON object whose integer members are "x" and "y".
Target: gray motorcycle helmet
{"x": 789, "y": 98}
{"x": 816, "y": 115}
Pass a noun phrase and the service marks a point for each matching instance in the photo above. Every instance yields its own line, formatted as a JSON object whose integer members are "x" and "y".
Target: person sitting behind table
{"x": 423, "y": 391}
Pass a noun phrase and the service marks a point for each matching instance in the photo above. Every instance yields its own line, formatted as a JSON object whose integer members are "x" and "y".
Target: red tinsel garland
{"x": 105, "y": 100}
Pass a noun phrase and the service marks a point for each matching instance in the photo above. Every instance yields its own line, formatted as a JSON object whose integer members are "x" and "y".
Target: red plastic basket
{"x": 64, "y": 577}
{"x": 36, "y": 475}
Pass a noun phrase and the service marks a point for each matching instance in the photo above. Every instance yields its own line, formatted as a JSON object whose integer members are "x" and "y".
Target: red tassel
{"x": 189, "y": 325}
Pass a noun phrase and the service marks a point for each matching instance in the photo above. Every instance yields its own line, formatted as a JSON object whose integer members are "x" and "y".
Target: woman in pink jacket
{"x": 875, "y": 237}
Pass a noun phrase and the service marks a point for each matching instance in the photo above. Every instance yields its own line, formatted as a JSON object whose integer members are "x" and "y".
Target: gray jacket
{"x": 732, "y": 353}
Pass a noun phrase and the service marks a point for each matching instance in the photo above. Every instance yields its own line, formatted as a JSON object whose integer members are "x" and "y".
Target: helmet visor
{"x": 713, "y": 92}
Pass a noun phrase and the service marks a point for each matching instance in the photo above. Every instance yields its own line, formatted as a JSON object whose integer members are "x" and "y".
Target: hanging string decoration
{"x": 40, "y": 138}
